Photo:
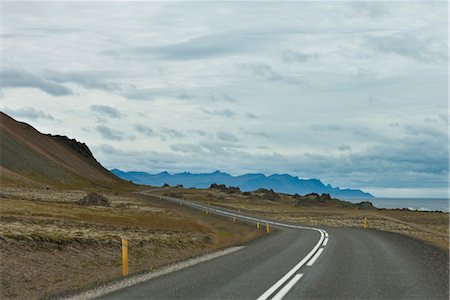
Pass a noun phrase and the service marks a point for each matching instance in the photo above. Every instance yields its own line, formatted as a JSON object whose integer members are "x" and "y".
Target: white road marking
{"x": 288, "y": 275}
{"x": 325, "y": 242}
{"x": 315, "y": 257}
{"x": 314, "y": 251}
{"x": 287, "y": 287}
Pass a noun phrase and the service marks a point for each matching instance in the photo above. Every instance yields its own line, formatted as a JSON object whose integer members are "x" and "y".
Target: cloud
{"x": 144, "y": 130}
{"x": 205, "y": 47}
{"x": 251, "y": 116}
{"x": 265, "y": 71}
{"x": 292, "y": 56}
{"x": 372, "y": 9}
{"x": 28, "y": 113}
{"x": 106, "y": 110}
{"x": 407, "y": 45}
{"x": 15, "y": 78}
{"x": 345, "y": 148}
{"x": 87, "y": 79}
{"x": 227, "y": 113}
{"x": 110, "y": 134}
{"x": 187, "y": 148}
{"x": 226, "y": 137}
{"x": 326, "y": 127}
{"x": 171, "y": 133}
{"x": 221, "y": 97}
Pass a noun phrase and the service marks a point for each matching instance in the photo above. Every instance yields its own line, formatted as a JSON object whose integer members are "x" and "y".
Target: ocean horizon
{"x": 421, "y": 204}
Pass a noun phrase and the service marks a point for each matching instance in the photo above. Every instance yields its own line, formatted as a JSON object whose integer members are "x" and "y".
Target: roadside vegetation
{"x": 52, "y": 243}
{"x": 430, "y": 227}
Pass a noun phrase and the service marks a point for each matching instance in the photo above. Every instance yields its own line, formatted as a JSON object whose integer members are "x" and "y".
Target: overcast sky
{"x": 352, "y": 93}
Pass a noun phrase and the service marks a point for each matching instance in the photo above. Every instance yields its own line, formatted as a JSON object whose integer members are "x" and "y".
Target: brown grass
{"x": 49, "y": 244}
{"x": 429, "y": 227}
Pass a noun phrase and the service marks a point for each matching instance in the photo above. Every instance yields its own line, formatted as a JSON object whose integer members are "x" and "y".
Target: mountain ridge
{"x": 28, "y": 156}
{"x": 283, "y": 183}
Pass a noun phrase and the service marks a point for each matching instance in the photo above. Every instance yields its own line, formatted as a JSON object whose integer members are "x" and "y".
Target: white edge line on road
{"x": 288, "y": 275}
{"x": 136, "y": 279}
{"x": 287, "y": 287}
{"x": 325, "y": 242}
{"x": 315, "y": 257}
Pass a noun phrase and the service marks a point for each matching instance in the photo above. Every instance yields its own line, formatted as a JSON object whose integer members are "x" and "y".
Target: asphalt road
{"x": 303, "y": 263}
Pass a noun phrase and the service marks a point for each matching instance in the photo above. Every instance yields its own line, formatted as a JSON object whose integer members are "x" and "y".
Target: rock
{"x": 225, "y": 189}
{"x": 79, "y": 147}
{"x": 268, "y": 194}
{"x": 365, "y": 205}
{"x": 94, "y": 199}
{"x": 324, "y": 198}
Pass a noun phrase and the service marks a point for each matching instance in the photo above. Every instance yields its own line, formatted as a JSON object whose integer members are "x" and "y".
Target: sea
{"x": 421, "y": 204}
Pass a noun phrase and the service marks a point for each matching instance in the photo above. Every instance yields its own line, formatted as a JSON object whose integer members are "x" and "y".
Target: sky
{"x": 352, "y": 93}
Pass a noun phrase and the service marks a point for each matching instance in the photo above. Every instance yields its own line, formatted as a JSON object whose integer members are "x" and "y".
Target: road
{"x": 310, "y": 263}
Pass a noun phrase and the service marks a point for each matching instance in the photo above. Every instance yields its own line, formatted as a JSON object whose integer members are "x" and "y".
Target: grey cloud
{"x": 15, "y": 78}
{"x": 187, "y": 148}
{"x": 292, "y": 56}
{"x": 106, "y": 111}
{"x": 171, "y": 133}
{"x": 28, "y": 113}
{"x": 87, "y": 79}
{"x": 207, "y": 46}
{"x": 227, "y": 113}
{"x": 327, "y": 127}
{"x": 406, "y": 45}
{"x": 266, "y": 72}
{"x": 221, "y": 97}
{"x": 226, "y": 137}
{"x": 345, "y": 148}
{"x": 371, "y": 9}
{"x": 110, "y": 134}
{"x": 255, "y": 133}
{"x": 145, "y": 130}
{"x": 251, "y": 116}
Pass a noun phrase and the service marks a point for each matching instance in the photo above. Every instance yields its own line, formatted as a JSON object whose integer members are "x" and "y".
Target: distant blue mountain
{"x": 283, "y": 183}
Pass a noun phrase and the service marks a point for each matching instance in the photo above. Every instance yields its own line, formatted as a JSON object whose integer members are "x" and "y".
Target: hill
{"x": 33, "y": 158}
{"x": 283, "y": 183}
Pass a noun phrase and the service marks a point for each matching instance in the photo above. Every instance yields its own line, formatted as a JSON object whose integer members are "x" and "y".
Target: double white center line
{"x": 311, "y": 258}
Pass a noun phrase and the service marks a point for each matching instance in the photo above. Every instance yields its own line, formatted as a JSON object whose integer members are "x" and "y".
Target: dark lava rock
{"x": 324, "y": 198}
{"x": 79, "y": 147}
{"x": 268, "y": 194}
{"x": 94, "y": 199}
{"x": 365, "y": 205}
{"x": 225, "y": 189}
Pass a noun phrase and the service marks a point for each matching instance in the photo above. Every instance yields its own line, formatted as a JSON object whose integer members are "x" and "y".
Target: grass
{"x": 50, "y": 244}
{"x": 430, "y": 227}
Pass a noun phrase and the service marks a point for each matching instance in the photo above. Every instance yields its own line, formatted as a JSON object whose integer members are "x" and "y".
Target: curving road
{"x": 311, "y": 263}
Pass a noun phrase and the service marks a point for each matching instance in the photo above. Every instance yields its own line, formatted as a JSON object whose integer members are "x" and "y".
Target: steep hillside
{"x": 27, "y": 154}
{"x": 283, "y": 183}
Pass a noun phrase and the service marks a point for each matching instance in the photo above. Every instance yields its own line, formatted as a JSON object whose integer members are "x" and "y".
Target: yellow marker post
{"x": 206, "y": 212}
{"x": 234, "y": 219}
{"x": 257, "y": 225}
{"x": 124, "y": 257}
{"x": 365, "y": 222}
{"x": 239, "y": 210}
{"x": 267, "y": 228}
